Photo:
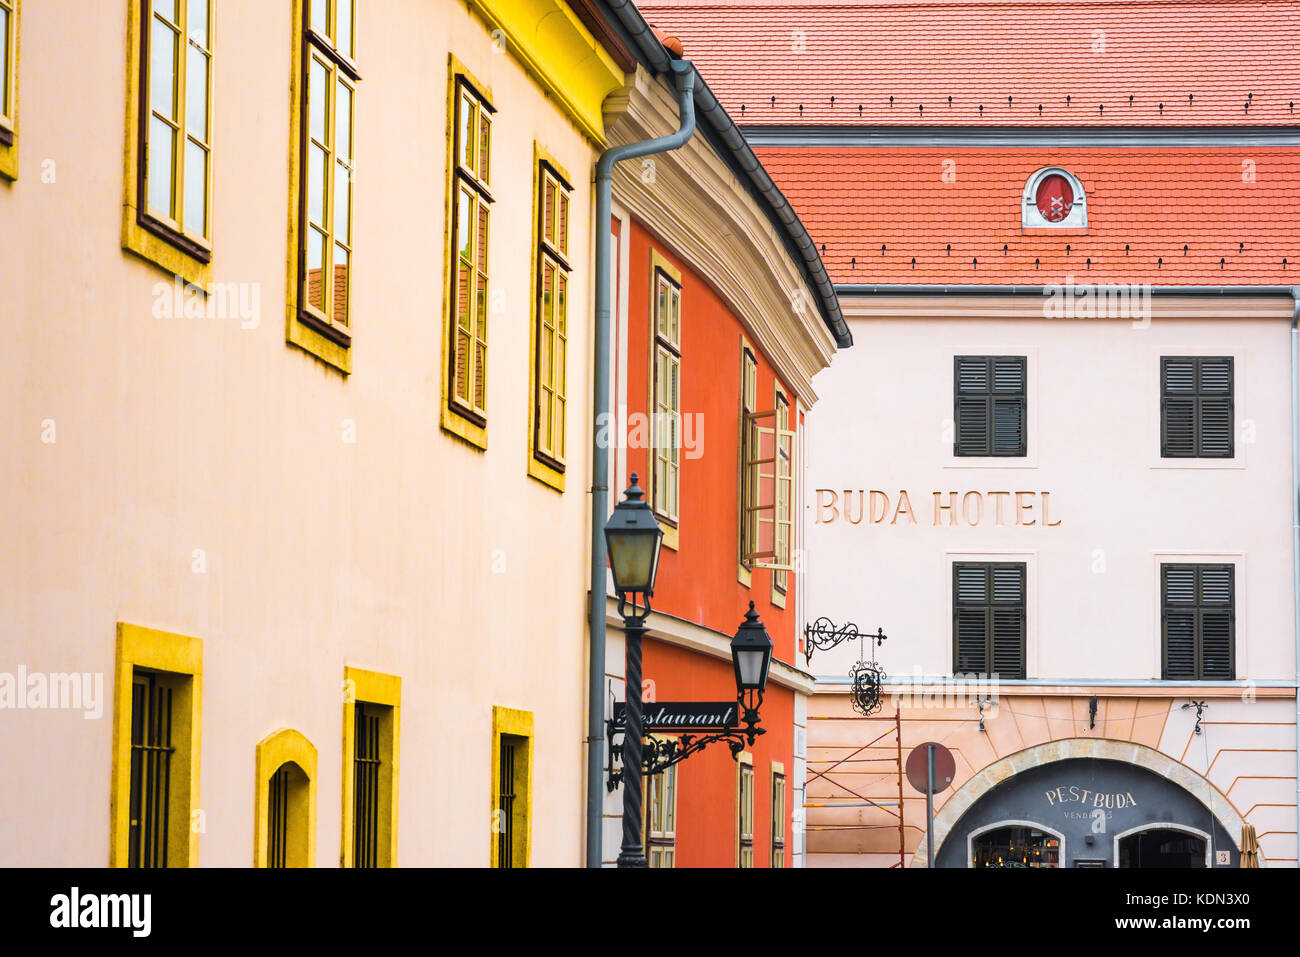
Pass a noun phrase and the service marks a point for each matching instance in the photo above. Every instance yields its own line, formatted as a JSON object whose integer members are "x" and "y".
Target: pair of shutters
{"x": 990, "y": 405}
{"x": 989, "y": 618}
{"x": 1197, "y": 621}
{"x": 1196, "y": 411}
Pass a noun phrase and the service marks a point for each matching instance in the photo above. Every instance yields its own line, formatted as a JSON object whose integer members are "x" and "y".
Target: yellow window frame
{"x": 745, "y": 809}
{"x": 277, "y": 749}
{"x": 548, "y": 368}
{"x": 779, "y": 814}
{"x": 783, "y": 514}
{"x": 177, "y": 656}
{"x": 319, "y": 331}
{"x": 10, "y": 46}
{"x": 163, "y": 240}
{"x": 660, "y": 825}
{"x": 377, "y": 688}
{"x": 665, "y": 401}
{"x": 466, "y": 417}
{"x": 511, "y": 722}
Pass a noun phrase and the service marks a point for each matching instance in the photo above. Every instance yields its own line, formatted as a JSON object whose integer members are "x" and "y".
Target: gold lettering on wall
{"x": 971, "y": 509}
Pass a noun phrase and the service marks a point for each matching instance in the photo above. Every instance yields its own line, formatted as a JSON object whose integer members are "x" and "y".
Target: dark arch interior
{"x": 1162, "y": 847}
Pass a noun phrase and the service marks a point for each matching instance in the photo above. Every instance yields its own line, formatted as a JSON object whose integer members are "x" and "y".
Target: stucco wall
{"x": 404, "y": 552}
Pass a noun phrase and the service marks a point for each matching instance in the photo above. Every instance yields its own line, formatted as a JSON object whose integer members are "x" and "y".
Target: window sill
{"x": 1198, "y": 465}
{"x": 325, "y": 348}
{"x": 671, "y": 533}
{"x": 993, "y": 462}
{"x": 453, "y": 423}
{"x": 544, "y": 473}
{"x": 147, "y": 243}
{"x": 9, "y": 159}
{"x": 744, "y": 575}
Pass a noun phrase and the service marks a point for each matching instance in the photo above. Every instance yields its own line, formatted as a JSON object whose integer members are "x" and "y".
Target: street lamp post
{"x": 633, "y": 538}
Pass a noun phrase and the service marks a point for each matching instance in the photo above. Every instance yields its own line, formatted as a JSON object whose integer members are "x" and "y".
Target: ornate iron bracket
{"x": 1200, "y": 711}
{"x": 658, "y": 754}
{"x": 823, "y": 635}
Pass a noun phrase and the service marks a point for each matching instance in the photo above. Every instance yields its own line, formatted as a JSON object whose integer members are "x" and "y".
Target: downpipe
{"x": 603, "y": 435}
{"x": 1295, "y": 517}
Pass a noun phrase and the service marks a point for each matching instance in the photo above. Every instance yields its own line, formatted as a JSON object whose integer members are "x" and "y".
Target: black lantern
{"x": 751, "y": 654}
{"x": 633, "y": 538}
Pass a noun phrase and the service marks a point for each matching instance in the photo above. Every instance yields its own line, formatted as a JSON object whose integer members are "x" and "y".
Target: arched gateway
{"x": 1084, "y": 802}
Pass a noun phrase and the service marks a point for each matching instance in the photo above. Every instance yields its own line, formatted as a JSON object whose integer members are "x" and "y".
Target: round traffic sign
{"x": 945, "y": 766}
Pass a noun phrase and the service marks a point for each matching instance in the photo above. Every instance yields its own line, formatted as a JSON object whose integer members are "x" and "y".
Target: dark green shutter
{"x": 1197, "y": 621}
{"x": 989, "y": 405}
{"x": 1196, "y": 406}
{"x": 989, "y": 619}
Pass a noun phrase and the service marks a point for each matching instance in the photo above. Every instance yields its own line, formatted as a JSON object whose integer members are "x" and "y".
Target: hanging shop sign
{"x": 950, "y": 509}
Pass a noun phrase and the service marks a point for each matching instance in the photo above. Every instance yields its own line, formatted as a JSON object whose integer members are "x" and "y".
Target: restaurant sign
{"x": 673, "y": 717}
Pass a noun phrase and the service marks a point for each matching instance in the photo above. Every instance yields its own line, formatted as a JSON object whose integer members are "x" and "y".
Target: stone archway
{"x": 1071, "y": 748}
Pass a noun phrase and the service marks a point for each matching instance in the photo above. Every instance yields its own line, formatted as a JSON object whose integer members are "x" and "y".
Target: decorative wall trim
{"x": 691, "y": 200}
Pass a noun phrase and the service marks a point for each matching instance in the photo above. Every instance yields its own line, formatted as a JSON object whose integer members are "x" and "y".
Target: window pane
{"x": 342, "y": 212}
{"x": 468, "y": 127}
{"x": 563, "y": 226}
{"x": 196, "y": 189}
{"x": 340, "y": 314}
{"x": 198, "y": 22}
{"x": 196, "y": 94}
{"x": 162, "y": 146}
{"x": 162, "y": 68}
{"x": 315, "y": 263}
{"x": 484, "y": 147}
{"x": 4, "y": 61}
{"x": 320, "y": 16}
{"x": 344, "y": 42}
{"x": 465, "y": 226}
{"x": 316, "y": 185}
{"x": 318, "y": 100}
{"x": 166, "y": 8}
{"x": 343, "y": 123}
{"x": 548, "y": 211}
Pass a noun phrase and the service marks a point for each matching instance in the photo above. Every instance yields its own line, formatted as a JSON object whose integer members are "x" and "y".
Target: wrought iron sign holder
{"x": 868, "y": 677}
{"x": 660, "y": 754}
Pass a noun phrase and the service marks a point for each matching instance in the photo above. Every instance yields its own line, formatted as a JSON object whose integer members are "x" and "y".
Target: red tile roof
{"x": 1118, "y": 61}
{"x": 1144, "y": 205}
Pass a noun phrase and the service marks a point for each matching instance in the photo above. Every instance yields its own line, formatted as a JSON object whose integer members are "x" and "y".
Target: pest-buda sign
{"x": 876, "y": 507}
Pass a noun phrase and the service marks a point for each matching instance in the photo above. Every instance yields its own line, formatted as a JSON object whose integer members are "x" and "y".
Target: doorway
{"x": 1162, "y": 847}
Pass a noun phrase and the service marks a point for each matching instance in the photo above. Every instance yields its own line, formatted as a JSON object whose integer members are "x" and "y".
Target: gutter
{"x": 684, "y": 74}
{"x": 919, "y": 289}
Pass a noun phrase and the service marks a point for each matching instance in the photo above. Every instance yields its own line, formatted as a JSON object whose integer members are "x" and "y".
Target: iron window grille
{"x": 990, "y": 406}
{"x": 277, "y": 845}
{"x": 367, "y": 763}
{"x": 1196, "y": 407}
{"x": 1198, "y": 641}
{"x": 506, "y": 805}
{"x": 151, "y": 766}
{"x": 989, "y": 618}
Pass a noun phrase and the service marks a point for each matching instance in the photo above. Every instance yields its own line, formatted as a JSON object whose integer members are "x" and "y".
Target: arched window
{"x": 1054, "y": 199}
{"x": 1015, "y": 844}
{"x": 286, "y": 801}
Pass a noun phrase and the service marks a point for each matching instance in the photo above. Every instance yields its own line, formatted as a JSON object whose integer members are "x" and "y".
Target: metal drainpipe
{"x": 1295, "y": 518}
{"x": 602, "y": 418}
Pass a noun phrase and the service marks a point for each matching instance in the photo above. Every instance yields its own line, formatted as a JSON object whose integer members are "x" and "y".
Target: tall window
{"x": 285, "y": 824}
{"x": 745, "y": 814}
{"x": 778, "y": 820}
{"x": 371, "y": 716}
{"x": 989, "y": 618}
{"x": 989, "y": 398}
{"x": 329, "y": 87}
{"x": 661, "y": 814}
{"x": 8, "y": 69}
{"x": 1198, "y": 622}
{"x": 665, "y": 483}
{"x": 1196, "y": 412}
{"x": 552, "y": 334}
{"x": 511, "y": 764}
{"x": 152, "y": 751}
{"x": 472, "y": 155}
{"x": 784, "y": 517}
{"x": 750, "y": 457}
{"x": 174, "y": 166}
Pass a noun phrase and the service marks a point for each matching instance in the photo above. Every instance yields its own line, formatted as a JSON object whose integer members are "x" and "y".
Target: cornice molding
{"x": 692, "y": 201}
{"x": 1031, "y": 307}
{"x": 701, "y": 640}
